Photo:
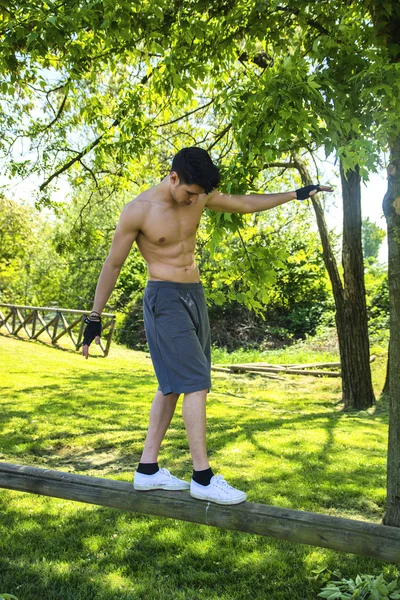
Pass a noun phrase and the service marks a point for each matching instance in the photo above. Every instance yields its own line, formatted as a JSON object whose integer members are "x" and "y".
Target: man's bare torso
{"x": 167, "y": 238}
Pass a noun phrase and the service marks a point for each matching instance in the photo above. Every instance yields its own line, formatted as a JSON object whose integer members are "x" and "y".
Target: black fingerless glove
{"x": 304, "y": 193}
{"x": 92, "y": 329}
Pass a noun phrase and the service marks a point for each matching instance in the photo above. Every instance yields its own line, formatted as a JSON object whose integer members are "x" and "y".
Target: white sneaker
{"x": 218, "y": 491}
{"x": 162, "y": 480}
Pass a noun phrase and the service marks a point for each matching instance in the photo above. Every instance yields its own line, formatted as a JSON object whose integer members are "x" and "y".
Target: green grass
{"x": 287, "y": 444}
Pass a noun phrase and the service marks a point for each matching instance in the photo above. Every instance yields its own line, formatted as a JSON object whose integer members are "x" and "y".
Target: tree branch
{"x": 286, "y": 165}
{"x": 262, "y": 59}
{"x": 90, "y": 171}
{"x": 58, "y": 115}
{"x": 312, "y": 22}
{"x": 219, "y": 136}
{"x": 245, "y": 249}
{"x": 87, "y": 148}
{"x": 185, "y": 115}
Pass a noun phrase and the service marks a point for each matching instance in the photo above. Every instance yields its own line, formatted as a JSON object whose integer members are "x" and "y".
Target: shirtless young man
{"x": 163, "y": 221}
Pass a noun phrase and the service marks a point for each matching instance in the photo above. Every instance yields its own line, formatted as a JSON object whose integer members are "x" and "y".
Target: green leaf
{"x": 393, "y": 584}
{"x": 158, "y": 12}
{"x": 327, "y": 592}
{"x": 313, "y": 84}
{"x": 388, "y": 7}
{"x": 31, "y": 37}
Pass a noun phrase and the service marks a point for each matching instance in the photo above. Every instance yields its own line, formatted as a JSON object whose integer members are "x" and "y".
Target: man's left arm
{"x": 251, "y": 203}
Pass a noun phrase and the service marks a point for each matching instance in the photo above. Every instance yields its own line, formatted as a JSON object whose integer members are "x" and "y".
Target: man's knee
{"x": 201, "y": 393}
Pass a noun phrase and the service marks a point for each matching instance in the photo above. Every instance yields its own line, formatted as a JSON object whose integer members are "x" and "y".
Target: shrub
{"x": 365, "y": 587}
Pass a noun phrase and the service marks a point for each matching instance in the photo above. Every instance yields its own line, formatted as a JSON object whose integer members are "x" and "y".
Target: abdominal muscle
{"x": 158, "y": 272}
{"x": 170, "y": 263}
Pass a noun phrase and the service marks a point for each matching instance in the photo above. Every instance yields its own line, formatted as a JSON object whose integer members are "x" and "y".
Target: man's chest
{"x": 169, "y": 227}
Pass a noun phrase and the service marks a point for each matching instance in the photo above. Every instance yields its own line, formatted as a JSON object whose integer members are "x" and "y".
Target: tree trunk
{"x": 391, "y": 208}
{"x": 356, "y": 378}
{"x": 354, "y": 396}
{"x": 386, "y": 387}
{"x": 387, "y": 23}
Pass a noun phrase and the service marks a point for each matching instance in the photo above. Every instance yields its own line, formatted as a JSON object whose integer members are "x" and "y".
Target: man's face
{"x": 183, "y": 193}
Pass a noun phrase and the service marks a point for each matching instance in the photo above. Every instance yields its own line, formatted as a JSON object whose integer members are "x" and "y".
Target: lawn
{"x": 286, "y": 444}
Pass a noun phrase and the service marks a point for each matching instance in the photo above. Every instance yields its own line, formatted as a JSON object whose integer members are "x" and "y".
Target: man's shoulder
{"x": 134, "y": 212}
{"x": 139, "y": 204}
{"x": 141, "y": 199}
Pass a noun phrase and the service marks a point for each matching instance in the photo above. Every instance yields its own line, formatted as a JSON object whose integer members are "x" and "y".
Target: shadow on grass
{"x": 74, "y": 426}
{"x": 103, "y": 554}
{"x": 49, "y": 549}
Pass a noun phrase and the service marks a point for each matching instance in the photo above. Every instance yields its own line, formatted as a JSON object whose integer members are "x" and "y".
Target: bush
{"x": 365, "y": 587}
{"x": 130, "y": 326}
{"x": 378, "y": 307}
{"x": 233, "y": 326}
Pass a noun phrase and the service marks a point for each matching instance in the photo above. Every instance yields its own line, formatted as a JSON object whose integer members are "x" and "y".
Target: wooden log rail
{"x": 13, "y": 320}
{"x": 345, "y": 535}
{"x": 262, "y": 369}
{"x": 284, "y": 371}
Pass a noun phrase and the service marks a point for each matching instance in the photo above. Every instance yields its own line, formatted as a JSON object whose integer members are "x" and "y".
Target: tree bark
{"x": 386, "y": 386}
{"x": 356, "y": 378}
{"x": 391, "y": 208}
{"x": 357, "y": 389}
{"x": 387, "y": 24}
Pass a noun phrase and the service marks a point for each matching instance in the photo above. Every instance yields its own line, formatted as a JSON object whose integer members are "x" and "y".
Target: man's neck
{"x": 162, "y": 193}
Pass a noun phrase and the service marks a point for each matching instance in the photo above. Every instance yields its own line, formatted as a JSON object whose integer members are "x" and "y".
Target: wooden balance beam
{"x": 344, "y": 535}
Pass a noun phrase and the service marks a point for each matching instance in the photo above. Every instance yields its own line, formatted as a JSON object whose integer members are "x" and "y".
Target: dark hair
{"x": 194, "y": 166}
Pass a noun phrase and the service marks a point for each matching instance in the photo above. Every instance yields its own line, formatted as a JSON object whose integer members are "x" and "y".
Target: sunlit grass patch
{"x": 287, "y": 444}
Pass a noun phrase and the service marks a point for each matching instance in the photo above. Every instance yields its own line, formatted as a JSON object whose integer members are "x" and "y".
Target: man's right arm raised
{"x": 126, "y": 232}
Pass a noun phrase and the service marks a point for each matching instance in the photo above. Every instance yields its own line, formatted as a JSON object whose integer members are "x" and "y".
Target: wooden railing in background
{"x": 32, "y": 319}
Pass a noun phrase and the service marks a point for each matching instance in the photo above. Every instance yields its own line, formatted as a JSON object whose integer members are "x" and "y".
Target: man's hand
{"x": 311, "y": 190}
{"x": 92, "y": 331}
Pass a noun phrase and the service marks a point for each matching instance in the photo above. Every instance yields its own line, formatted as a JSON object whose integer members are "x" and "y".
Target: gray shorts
{"x": 178, "y": 334}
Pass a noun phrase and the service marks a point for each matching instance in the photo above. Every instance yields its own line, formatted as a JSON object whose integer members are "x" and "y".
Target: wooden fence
{"x": 344, "y": 535}
{"x": 39, "y": 320}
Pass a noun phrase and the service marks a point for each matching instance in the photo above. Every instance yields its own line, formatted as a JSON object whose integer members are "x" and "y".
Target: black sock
{"x": 203, "y": 477}
{"x": 148, "y": 468}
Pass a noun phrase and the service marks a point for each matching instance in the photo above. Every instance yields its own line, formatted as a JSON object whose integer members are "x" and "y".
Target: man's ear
{"x": 174, "y": 177}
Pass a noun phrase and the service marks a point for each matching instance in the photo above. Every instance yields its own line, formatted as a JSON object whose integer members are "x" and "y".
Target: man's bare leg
{"x": 194, "y": 417}
{"x": 204, "y": 485}
{"x": 161, "y": 413}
